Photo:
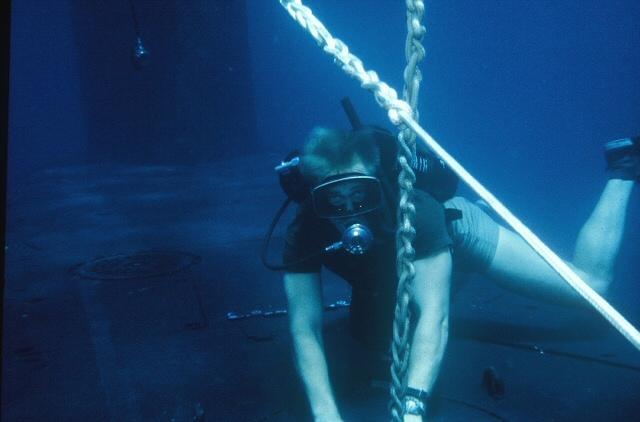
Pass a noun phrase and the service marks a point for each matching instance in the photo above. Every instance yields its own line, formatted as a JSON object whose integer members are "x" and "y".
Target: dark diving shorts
{"x": 475, "y": 236}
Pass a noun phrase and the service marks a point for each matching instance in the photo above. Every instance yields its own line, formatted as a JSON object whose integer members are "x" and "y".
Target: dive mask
{"x": 346, "y": 195}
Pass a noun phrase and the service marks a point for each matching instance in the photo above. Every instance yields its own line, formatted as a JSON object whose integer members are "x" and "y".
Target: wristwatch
{"x": 415, "y": 402}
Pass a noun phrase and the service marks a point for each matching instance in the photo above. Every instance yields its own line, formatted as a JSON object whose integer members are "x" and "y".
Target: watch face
{"x": 413, "y": 406}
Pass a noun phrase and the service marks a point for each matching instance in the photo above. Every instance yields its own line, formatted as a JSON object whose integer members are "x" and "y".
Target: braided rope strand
{"x": 414, "y": 53}
{"x": 405, "y": 270}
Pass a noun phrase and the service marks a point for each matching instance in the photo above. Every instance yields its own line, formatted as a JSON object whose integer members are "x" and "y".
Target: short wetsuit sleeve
{"x": 302, "y": 240}
{"x": 430, "y": 225}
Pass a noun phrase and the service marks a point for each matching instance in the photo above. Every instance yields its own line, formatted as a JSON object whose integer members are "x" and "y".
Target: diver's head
{"x": 342, "y": 167}
{"x": 329, "y": 152}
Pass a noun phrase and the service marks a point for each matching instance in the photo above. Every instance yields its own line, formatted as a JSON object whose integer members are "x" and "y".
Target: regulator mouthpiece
{"x": 356, "y": 239}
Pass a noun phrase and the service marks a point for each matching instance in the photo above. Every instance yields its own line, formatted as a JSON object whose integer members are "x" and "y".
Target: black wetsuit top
{"x": 372, "y": 276}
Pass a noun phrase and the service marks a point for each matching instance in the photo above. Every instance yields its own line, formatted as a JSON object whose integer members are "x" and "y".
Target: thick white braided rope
{"x": 386, "y": 96}
{"x": 400, "y": 111}
{"x": 414, "y": 53}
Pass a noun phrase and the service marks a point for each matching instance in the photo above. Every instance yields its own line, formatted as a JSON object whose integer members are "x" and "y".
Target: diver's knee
{"x": 599, "y": 284}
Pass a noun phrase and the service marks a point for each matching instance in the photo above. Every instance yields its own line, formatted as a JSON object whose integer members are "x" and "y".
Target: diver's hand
{"x": 413, "y": 418}
{"x": 327, "y": 414}
{"x": 328, "y": 418}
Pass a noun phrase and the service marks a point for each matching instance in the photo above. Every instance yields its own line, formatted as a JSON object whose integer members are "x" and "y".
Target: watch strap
{"x": 421, "y": 395}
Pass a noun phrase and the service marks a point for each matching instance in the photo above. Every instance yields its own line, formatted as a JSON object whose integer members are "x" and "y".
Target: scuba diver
{"x": 345, "y": 184}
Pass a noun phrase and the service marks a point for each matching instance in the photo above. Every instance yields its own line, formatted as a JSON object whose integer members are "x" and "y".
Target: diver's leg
{"x": 516, "y": 266}
{"x": 599, "y": 239}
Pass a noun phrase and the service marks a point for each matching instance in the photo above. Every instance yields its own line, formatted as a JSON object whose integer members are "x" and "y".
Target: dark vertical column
{"x": 5, "y": 25}
{"x": 46, "y": 126}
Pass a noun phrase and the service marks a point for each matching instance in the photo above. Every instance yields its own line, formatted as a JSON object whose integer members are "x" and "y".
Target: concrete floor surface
{"x": 160, "y": 348}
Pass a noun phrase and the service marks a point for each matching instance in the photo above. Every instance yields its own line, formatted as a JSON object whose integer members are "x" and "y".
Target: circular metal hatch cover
{"x": 137, "y": 265}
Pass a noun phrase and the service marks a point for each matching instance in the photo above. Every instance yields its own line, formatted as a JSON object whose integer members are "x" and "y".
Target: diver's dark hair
{"x": 328, "y": 150}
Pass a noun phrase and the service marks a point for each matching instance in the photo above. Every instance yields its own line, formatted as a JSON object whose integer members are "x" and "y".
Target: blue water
{"x": 106, "y": 159}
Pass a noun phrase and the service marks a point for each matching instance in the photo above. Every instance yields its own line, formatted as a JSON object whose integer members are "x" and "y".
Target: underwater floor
{"x": 118, "y": 284}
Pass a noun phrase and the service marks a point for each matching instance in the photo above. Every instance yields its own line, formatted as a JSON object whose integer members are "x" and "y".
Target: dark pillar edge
{"x": 5, "y": 15}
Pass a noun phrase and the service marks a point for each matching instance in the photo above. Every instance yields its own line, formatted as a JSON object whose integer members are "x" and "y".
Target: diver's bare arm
{"x": 304, "y": 295}
{"x": 431, "y": 295}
